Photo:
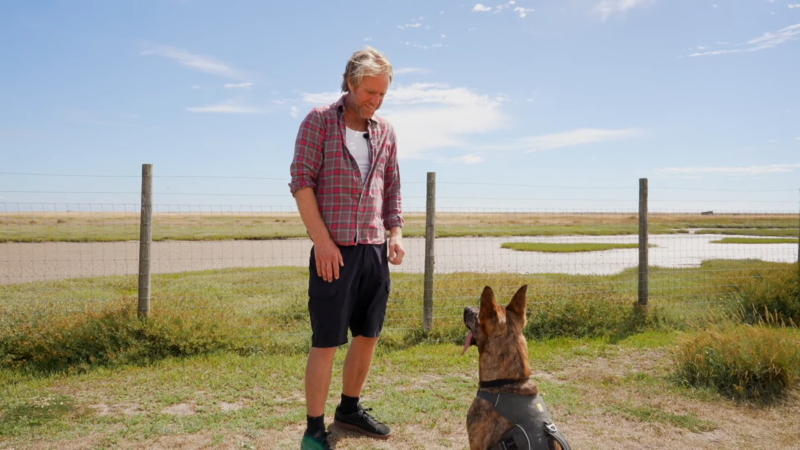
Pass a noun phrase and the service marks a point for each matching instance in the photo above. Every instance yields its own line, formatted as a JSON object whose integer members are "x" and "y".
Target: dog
{"x": 507, "y": 413}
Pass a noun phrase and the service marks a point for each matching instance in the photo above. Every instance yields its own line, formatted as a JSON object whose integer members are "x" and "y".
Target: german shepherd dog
{"x": 507, "y": 397}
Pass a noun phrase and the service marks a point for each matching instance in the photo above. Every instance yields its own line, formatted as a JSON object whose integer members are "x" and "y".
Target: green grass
{"x": 649, "y": 413}
{"x": 758, "y": 363}
{"x": 259, "y": 225}
{"x": 429, "y": 385}
{"x": 784, "y": 232}
{"x": 565, "y": 248}
{"x": 77, "y": 365}
{"x": 754, "y": 241}
{"x": 79, "y": 323}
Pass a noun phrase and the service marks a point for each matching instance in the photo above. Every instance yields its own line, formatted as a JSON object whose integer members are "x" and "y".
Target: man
{"x": 346, "y": 182}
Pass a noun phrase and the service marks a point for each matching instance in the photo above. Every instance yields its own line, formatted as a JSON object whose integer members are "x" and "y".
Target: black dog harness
{"x": 533, "y": 425}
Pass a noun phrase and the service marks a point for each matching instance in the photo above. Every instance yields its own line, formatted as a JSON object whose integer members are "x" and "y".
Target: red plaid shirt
{"x": 352, "y": 213}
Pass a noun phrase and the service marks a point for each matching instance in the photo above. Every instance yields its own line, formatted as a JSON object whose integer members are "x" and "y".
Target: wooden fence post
{"x": 430, "y": 239}
{"x": 644, "y": 261}
{"x": 145, "y": 239}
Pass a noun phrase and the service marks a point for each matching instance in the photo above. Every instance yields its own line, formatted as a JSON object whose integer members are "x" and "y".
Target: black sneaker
{"x": 362, "y": 422}
{"x": 316, "y": 441}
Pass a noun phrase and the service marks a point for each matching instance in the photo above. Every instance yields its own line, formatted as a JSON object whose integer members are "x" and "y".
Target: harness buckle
{"x": 551, "y": 428}
{"x": 508, "y": 443}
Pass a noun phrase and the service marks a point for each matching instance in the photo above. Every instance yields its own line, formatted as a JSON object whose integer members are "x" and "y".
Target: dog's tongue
{"x": 467, "y": 341}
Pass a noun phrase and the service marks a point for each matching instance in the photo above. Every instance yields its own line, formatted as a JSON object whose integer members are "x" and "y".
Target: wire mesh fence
{"x": 248, "y": 264}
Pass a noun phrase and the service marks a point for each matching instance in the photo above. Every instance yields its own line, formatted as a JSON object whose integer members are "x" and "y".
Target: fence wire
{"x": 248, "y": 265}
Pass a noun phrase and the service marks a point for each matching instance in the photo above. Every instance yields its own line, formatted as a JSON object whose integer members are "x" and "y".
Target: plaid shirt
{"x": 354, "y": 212}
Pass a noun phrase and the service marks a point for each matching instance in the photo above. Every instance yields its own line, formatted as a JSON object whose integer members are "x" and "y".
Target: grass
{"x": 783, "y": 232}
{"x": 259, "y": 224}
{"x": 70, "y": 325}
{"x": 423, "y": 391}
{"x": 564, "y": 248}
{"x": 220, "y": 362}
{"x": 772, "y": 297}
{"x": 754, "y": 241}
{"x": 748, "y": 363}
{"x": 648, "y": 413}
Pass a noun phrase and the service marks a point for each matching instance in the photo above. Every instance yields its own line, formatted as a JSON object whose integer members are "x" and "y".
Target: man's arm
{"x": 392, "y": 206}
{"x": 305, "y": 168}
{"x": 326, "y": 253}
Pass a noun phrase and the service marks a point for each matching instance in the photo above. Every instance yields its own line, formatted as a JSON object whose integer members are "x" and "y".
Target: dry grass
{"x": 603, "y": 395}
{"x": 259, "y": 224}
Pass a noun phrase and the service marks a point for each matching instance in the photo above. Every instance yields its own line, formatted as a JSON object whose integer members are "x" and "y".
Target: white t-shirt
{"x": 358, "y": 147}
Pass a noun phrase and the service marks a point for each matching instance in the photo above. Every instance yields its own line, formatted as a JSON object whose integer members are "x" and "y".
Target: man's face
{"x": 369, "y": 94}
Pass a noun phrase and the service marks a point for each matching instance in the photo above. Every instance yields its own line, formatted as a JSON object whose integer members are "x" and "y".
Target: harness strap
{"x": 500, "y": 383}
{"x": 533, "y": 424}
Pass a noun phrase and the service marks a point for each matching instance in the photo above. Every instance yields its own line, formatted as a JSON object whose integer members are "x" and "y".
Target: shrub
{"x": 766, "y": 293}
{"x": 111, "y": 337}
{"x": 748, "y": 363}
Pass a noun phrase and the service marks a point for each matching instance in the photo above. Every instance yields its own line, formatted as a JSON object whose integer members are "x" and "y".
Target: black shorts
{"x": 357, "y": 300}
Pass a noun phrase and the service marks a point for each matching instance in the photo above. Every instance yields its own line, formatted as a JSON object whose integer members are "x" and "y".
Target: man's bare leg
{"x": 318, "y": 379}
{"x": 357, "y": 364}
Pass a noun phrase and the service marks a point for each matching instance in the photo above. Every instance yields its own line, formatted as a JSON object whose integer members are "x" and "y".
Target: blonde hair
{"x": 366, "y": 62}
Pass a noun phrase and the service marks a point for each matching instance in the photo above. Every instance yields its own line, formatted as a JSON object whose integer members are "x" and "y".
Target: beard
{"x": 365, "y": 112}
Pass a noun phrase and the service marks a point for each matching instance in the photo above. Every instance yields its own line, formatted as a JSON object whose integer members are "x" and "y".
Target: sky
{"x": 528, "y": 104}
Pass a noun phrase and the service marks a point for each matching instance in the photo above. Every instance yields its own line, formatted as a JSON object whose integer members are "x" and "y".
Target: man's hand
{"x": 396, "y": 251}
{"x": 328, "y": 258}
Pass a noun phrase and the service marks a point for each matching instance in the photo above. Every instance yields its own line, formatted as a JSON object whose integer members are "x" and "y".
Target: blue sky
{"x": 549, "y": 103}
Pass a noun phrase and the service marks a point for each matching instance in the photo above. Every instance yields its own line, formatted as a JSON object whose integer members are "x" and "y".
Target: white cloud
{"x": 406, "y": 70}
{"x": 443, "y": 36}
{"x": 468, "y": 159}
{"x": 751, "y": 170}
{"x": 238, "y": 85}
{"x": 431, "y": 117}
{"x": 229, "y": 107}
{"x": 321, "y": 98}
{"x": 201, "y": 63}
{"x": 480, "y": 8}
{"x": 294, "y": 112}
{"x": 367, "y": 39}
{"x": 607, "y": 8}
{"x": 196, "y": 86}
{"x": 523, "y": 11}
{"x": 768, "y": 40}
{"x": 793, "y": 6}
{"x": 566, "y": 139}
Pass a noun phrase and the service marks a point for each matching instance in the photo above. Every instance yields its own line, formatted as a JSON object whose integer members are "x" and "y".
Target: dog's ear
{"x": 487, "y": 317}
{"x": 518, "y": 303}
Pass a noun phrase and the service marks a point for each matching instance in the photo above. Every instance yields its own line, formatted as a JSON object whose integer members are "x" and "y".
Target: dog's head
{"x": 497, "y": 332}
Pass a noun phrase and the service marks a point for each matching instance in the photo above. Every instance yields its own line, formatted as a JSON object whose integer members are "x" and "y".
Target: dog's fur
{"x": 503, "y": 354}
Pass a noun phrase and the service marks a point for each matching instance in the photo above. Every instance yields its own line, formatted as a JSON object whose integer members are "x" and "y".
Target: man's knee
{"x": 322, "y": 354}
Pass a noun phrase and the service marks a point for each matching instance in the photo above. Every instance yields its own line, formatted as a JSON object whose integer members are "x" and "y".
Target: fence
{"x": 249, "y": 264}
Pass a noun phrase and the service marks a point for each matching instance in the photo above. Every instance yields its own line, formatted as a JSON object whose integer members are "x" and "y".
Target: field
{"x": 122, "y": 226}
{"x": 603, "y": 394}
{"x": 564, "y": 248}
{"x": 220, "y": 362}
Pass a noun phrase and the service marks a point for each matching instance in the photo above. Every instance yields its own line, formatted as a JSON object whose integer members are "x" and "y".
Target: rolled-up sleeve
{"x": 392, "y": 200}
{"x": 308, "y": 152}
